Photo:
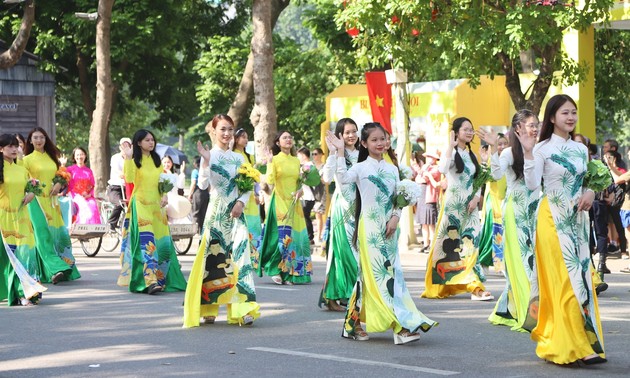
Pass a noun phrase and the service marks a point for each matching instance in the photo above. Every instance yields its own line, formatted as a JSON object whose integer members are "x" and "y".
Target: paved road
{"x": 93, "y": 328}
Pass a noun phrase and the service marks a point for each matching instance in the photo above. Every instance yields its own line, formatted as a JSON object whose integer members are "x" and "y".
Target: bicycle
{"x": 181, "y": 234}
{"x": 112, "y": 237}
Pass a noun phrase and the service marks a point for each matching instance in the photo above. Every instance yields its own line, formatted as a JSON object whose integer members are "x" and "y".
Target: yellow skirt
{"x": 566, "y": 331}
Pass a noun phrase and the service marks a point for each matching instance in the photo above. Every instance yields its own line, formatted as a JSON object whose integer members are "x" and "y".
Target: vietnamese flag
{"x": 380, "y": 94}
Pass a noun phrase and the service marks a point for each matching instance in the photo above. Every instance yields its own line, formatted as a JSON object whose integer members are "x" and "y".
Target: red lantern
{"x": 415, "y": 32}
{"x": 395, "y": 20}
{"x": 353, "y": 31}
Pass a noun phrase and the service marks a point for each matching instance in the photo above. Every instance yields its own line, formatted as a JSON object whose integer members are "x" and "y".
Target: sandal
{"x": 209, "y": 319}
{"x": 359, "y": 334}
{"x": 480, "y": 295}
{"x": 277, "y": 280}
{"x": 334, "y": 306}
{"x": 247, "y": 320}
{"x": 405, "y": 336}
{"x": 26, "y": 302}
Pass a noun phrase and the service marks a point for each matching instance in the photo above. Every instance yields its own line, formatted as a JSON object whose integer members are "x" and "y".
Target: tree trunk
{"x": 539, "y": 87}
{"x": 104, "y": 89}
{"x": 10, "y": 57}
{"x": 264, "y": 97}
{"x": 86, "y": 98}
{"x": 246, "y": 89}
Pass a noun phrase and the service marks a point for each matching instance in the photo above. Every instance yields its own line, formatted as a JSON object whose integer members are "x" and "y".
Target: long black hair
{"x": 237, "y": 135}
{"x": 275, "y": 149}
{"x": 363, "y": 155}
{"x": 459, "y": 162}
{"x": 339, "y": 129}
{"x": 49, "y": 146}
{"x": 517, "y": 151}
{"x": 6, "y": 140}
{"x": 137, "y": 151}
{"x": 552, "y": 107}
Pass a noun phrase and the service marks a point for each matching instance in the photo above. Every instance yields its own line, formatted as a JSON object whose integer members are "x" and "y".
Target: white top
{"x": 116, "y": 170}
{"x": 331, "y": 162}
{"x": 220, "y": 173}
{"x": 560, "y": 162}
{"x": 376, "y": 181}
{"x": 447, "y": 167}
{"x": 502, "y": 165}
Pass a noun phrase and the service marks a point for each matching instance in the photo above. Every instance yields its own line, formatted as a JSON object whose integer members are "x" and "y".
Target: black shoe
{"x": 594, "y": 360}
{"x": 154, "y": 289}
{"x": 603, "y": 269}
{"x": 613, "y": 249}
{"x": 600, "y": 289}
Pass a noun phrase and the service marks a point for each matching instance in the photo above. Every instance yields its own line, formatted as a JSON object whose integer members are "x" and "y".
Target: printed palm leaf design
{"x": 374, "y": 240}
{"x": 230, "y": 186}
{"x": 216, "y": 234}
{"x": 223, "y": 221}
{"x": 245, "y": 289}
{"x": 378, "y": 182}
{"x": 583, "y": 291}
{"x": 531, "y": 208}
{"x": 245, "y": 271}
{"x": 348, "y": 191}
{"x": 556, "y": 200}
{"x": 454, "y": 221}
{"x": 373, "y": 215}
{"x": 237, "y": 251}
{"x": 220, "y": 171}
{"x": 577, "y": 184}
{"x": 564, "y": 162}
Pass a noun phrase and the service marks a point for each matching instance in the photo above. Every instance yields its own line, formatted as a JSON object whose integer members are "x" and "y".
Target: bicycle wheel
{"x": 110, "y": 241}
{"x": 91, "y": 246}
{"x": 182, "y": 246}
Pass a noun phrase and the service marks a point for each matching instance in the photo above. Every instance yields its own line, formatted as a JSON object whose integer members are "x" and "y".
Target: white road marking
{"x": 274, "y": 288}
{"x": 355, "y": 361}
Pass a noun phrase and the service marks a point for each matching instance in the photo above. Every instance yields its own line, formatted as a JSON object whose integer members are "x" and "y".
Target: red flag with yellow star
{"x": 380, "y": 94}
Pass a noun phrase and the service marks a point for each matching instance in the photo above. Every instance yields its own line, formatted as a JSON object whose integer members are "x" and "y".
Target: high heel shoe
{"x": 359, "y": 334}
{"x": 404, "y": 337}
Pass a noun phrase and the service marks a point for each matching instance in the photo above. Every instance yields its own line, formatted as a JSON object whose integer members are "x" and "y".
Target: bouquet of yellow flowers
{"x": 62, "y": 177}
{"x": 34, "y": 186}
{"x": 246, "y": 177}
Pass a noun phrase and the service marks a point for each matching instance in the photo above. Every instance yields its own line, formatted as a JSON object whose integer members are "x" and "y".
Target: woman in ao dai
{"x": 341, "y": 257}
{"x": 380, "y": 298}
{"x": 452, "y": 266}
{"x": 222, "y": 273}
{"x": 519, "y": 220}
{"x": 569, "y": 328}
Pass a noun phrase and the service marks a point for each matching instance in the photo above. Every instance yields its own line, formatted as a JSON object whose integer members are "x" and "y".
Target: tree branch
{"x": 10, "y": 57}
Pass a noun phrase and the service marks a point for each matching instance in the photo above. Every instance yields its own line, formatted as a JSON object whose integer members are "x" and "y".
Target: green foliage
{"x": 466, "y": 37}
{"x": 302, "y": 80}
{"x": 612, "y": 74}
{"x": 73, "y": 124}
{"x": 154, "y": 45}
{"x": 289, "y": 26}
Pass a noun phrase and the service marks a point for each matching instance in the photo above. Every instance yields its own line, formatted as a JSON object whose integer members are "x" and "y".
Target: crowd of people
{"x": 522, "y": 208}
